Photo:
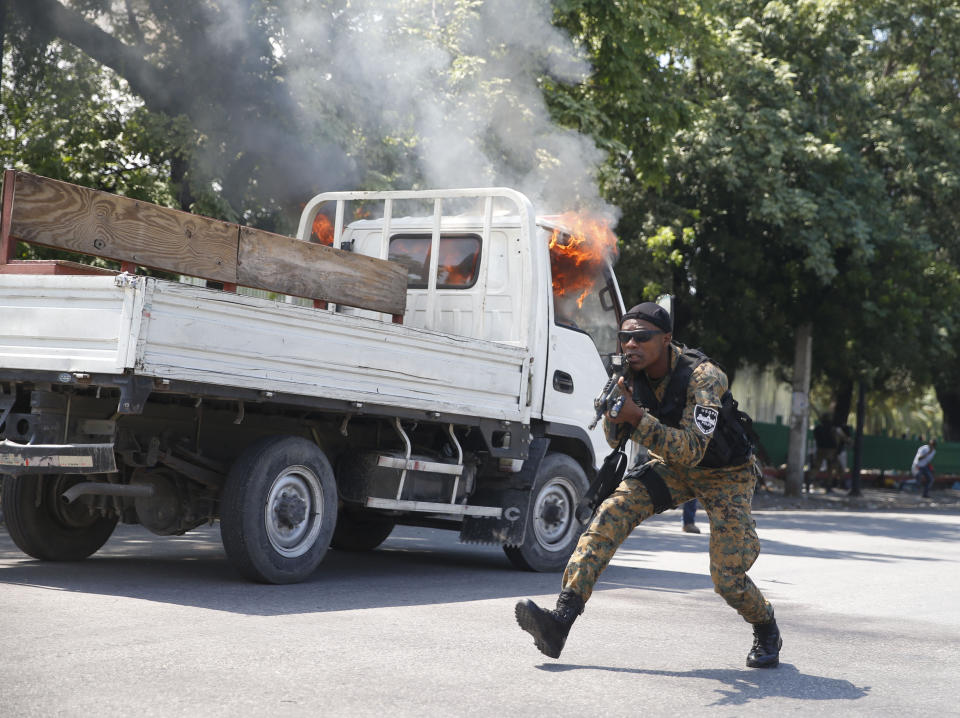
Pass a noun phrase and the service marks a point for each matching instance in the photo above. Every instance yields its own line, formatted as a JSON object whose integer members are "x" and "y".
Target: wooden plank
{"x": 7, "y": 243}
{"x": 291, "y": 266}
{"x": 79, "y": 219}
{"x": 50, "y": 266}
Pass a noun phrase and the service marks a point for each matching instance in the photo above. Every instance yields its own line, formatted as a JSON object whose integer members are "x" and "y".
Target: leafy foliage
{"x": 64, "y": 117}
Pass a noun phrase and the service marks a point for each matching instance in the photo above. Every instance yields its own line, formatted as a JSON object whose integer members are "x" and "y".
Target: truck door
{"x": 583, "y": 329}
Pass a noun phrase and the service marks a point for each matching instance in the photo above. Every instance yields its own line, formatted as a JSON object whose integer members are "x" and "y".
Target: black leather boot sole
{"x": 548, "y": 633}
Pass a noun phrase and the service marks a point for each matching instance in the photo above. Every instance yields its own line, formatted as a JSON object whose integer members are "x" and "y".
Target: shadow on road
{"x": 192, "y": 570}
{"x": 741, "y": 687}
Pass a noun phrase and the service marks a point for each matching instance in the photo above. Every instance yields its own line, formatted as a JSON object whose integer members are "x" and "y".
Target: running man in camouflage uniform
{"x": 687, "y": 432}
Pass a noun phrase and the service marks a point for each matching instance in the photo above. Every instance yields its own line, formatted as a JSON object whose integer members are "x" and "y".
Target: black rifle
{"x": 608, "y": 478}
{"x": 610, "y": 398}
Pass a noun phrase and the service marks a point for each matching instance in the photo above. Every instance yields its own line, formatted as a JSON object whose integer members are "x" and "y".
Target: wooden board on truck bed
{"x": 268, "y": 260}
{"x": 65, "y": 216}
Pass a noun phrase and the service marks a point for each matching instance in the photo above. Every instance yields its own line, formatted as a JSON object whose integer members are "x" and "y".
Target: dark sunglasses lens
{"x": 640, "y": 336}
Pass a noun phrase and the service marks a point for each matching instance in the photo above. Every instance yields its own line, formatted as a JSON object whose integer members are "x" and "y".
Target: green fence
{"x": 879, "y": 452}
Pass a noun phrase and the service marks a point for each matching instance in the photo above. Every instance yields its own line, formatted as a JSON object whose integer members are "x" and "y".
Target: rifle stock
{"x": 606, "y": 481}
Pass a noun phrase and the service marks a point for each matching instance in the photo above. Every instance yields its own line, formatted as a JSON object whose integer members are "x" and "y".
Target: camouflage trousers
{"x": 725, "y": 495}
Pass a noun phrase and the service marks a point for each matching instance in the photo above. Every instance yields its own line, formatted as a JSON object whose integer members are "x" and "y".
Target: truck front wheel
{"x": 45, "y": 527}
{"x": 278, "y": 510}
{"x": 552, "y": 528}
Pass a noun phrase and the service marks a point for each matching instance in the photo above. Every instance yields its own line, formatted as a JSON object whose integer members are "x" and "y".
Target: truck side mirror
{"x": 605, "y": 296}
{"x": 666, "y": 301}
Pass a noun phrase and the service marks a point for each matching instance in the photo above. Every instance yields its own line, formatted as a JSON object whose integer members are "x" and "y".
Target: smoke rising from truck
{"x": 458, "y": 85}
{"x": 300, "y": 96}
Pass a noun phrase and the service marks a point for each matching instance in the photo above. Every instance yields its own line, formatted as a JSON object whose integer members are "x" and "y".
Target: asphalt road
{"x": 867, "y": 603}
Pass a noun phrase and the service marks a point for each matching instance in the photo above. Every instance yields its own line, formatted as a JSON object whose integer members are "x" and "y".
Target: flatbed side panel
{"x": 69, "y": 323}
{"x": 196, "y": 334}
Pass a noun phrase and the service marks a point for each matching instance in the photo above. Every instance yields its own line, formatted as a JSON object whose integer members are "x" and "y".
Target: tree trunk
{"x": 842, "y": 400}
{"x": 181, "y": 183}
{"x": 949, "y": 398}
{"x": 799, "y": 410}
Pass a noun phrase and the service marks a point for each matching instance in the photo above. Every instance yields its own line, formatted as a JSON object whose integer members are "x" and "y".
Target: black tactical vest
{"x": 730, "y": 443}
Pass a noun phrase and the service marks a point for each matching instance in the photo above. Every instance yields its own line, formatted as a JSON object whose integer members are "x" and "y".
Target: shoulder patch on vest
{"x": 705, "y": 418}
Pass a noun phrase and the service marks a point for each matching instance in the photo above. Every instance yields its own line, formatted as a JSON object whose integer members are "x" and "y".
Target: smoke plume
{"x": 293, "y": 96}
{"x": 458, "y": 83}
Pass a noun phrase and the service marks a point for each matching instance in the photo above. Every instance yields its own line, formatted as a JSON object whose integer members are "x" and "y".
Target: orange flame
{"x": 322, "y": 229}
{"x": 579, "y": 252}
{"x": 456, "y": 268}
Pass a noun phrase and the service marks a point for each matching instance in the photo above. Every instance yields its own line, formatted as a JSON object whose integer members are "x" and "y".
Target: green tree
{"x": 206, "y": 73}
{"x": 915, "y": 140}
{"x": 63, "y": 117}
{"x": 774, "y": 215}
{"x": 640, "y": 91}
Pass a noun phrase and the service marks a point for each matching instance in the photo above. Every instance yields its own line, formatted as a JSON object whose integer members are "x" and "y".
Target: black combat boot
{"x": 550, "y": 628}
{"x": 766, "y": 645}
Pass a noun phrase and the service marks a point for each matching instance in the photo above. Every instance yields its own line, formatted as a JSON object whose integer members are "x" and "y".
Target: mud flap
{"x": 510, "y": 528}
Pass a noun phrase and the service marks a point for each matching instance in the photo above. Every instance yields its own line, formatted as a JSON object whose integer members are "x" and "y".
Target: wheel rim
{"x": 293, "y": 514}
{"x": 553, "y": 513}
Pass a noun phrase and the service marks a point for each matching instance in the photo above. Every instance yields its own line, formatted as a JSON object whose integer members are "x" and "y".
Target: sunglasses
{"x": 638, "y": 335}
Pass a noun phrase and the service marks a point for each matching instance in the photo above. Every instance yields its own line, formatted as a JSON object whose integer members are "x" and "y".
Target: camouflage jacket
{"x": 683, "y": 446}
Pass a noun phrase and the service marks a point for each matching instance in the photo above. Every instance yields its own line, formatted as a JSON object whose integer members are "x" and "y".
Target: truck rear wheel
{"x": 46, "y": 528}
{"x": 360, "y": 531}
{"x": 278, "y": 510}
{"x": 552, "y": 528}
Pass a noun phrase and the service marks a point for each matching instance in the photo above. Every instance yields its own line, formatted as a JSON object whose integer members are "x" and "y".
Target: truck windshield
{"x": 584, "y": 291}
{"x": 592, "y": 311}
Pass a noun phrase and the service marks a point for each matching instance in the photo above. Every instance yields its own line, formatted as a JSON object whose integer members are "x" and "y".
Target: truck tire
{"x": 360, "y": 531}
{"x": 44, "y": 527}
{"x": 278, "y": 510}
{"x": 552, "y": 528}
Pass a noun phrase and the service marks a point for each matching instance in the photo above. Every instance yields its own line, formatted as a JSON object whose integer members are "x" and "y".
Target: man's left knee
{"x": 661, "y": 499}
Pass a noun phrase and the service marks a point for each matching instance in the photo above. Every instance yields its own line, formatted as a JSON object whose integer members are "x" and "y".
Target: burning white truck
{"x": 440, "y": 373}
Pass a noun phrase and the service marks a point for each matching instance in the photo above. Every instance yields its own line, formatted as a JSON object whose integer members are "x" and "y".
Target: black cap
{"x": 653, "y": 313}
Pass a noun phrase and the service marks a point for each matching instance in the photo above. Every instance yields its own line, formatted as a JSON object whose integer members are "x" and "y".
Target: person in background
{"x": 844, "y": 435}
{"x": 690, "y": 517}
{"x": 921, "y": 469}
{"x": 826, "y": 439}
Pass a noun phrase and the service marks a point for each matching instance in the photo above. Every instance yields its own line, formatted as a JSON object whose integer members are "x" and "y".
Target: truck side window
{"x": 458, "y": 262}
{"x": 586, "y": 307}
